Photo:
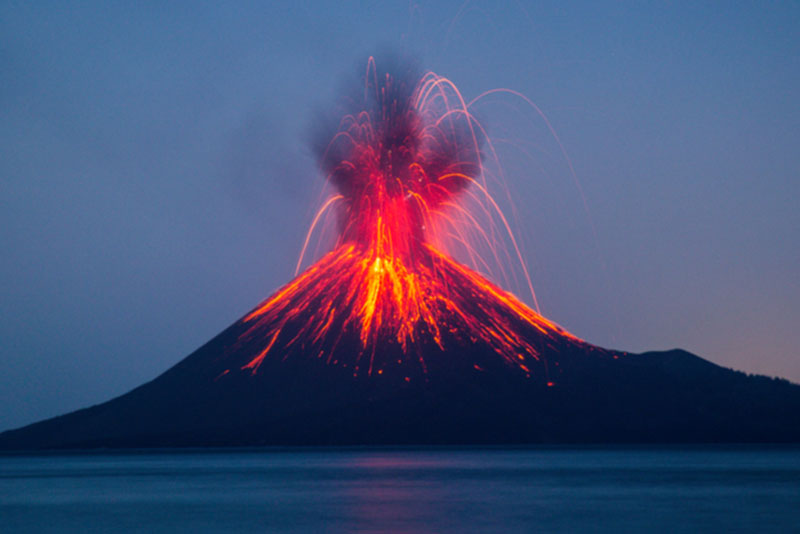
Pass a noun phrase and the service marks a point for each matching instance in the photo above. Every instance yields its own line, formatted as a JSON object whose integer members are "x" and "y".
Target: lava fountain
{"x": 406, "y": 164}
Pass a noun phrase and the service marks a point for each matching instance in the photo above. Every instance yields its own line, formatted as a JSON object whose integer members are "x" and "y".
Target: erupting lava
{"x": 389, "y": 293}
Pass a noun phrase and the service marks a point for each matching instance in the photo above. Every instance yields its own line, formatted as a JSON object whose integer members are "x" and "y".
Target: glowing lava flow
{"x": 399, "y": 161}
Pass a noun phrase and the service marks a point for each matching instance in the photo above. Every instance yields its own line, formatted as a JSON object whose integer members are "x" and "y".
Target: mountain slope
{"x": 600, "y": 396}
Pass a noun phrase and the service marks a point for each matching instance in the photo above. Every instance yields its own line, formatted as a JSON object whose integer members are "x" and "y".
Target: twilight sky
{"x": 156, "y": 181}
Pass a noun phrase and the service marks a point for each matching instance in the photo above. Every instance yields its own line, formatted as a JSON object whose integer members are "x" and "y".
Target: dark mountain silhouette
{"x": 466, "y": 396}
{"x": 389, "y": 340}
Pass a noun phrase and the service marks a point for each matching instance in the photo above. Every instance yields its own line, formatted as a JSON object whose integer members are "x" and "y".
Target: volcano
{"x": 387, "y": 339}
{"x": 467, "y": 394}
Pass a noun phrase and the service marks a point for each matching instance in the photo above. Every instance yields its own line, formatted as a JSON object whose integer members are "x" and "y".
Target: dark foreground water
{"x": 532, "y": 490}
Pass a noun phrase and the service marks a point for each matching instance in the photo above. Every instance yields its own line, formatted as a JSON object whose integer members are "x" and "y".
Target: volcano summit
{"x": 387, "y": 339}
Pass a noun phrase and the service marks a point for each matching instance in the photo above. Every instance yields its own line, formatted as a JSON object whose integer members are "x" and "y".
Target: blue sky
{"x": 156, "y": 181}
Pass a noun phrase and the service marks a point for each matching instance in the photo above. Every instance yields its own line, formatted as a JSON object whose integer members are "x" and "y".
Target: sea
{"x": 561, "y": 489}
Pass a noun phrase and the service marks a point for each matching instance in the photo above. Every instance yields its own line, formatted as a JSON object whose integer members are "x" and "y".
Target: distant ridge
{"x": 465, "y": 397}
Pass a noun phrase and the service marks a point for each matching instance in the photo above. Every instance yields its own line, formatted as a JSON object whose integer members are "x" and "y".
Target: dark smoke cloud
{"x": 376, "y": 131}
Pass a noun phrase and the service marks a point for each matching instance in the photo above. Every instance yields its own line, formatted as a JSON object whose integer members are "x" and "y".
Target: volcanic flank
{"x": 388, "y": 340}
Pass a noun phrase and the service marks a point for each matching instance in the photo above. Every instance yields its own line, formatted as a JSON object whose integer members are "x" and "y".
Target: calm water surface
{"x": 532, "y": 490}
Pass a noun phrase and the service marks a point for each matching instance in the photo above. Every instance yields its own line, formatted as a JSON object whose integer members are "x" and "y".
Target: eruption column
{"x": 388, "y": 293}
